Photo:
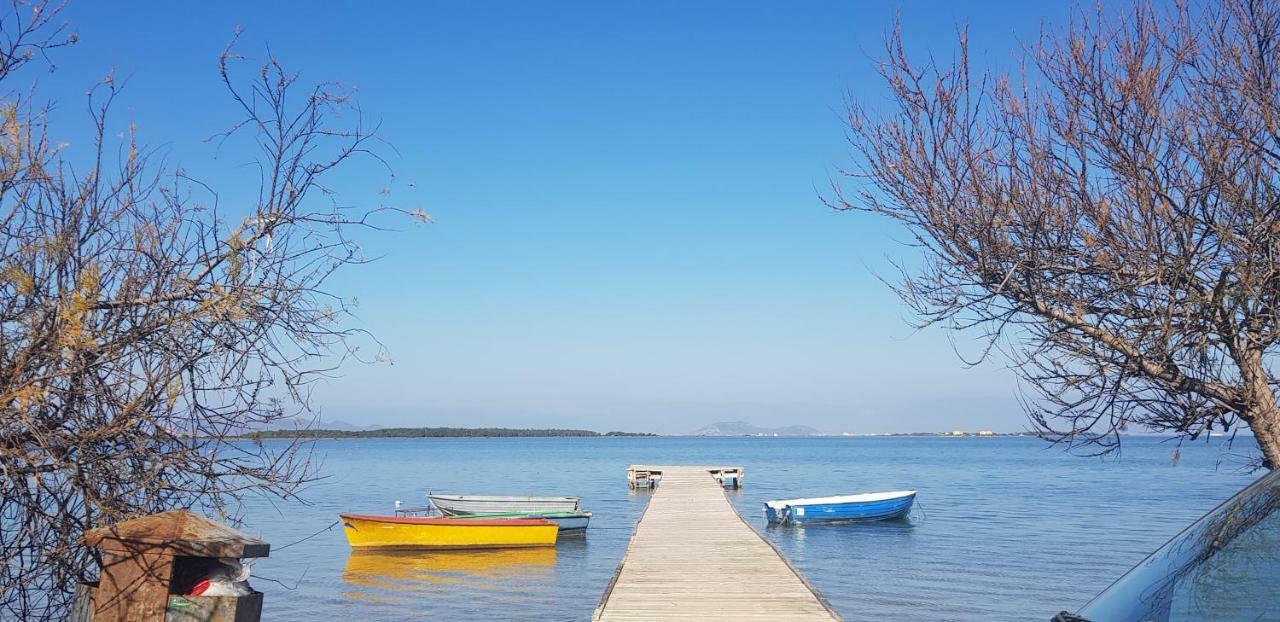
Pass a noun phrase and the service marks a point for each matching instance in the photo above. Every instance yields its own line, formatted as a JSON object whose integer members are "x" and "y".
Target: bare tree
{"x": 143, "y": 326}
{"x": 1108, "y": 216}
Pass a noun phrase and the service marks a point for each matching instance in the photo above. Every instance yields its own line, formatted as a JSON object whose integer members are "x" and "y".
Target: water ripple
{"x": 1007, "y": 530}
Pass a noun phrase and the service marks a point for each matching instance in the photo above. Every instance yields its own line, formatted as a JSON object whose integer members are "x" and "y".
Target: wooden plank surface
{"x": 693, "y": 558}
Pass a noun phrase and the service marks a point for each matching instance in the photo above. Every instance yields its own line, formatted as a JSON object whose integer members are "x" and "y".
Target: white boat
{"x": 568, "y": 522}
{"x": 461, "y": 505}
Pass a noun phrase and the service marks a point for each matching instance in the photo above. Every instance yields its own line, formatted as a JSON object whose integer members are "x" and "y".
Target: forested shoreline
{"x": 435, "y": 433}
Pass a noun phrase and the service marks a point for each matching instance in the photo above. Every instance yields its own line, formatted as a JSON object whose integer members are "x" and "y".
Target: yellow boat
{"x": 401, "y": 532}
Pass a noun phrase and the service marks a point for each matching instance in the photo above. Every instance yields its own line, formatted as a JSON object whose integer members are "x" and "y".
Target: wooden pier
{"x": 645, "y": 476}
{"x": 692, "y": 557}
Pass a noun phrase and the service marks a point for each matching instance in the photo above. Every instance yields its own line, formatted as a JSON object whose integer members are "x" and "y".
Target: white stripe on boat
{"x": 867, "y": 497}
{"x": 476, "y": 504}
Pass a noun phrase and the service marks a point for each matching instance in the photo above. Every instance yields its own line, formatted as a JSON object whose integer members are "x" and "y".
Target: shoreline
{"x": 372, "y": 435}
{"x": 482, "y": 433}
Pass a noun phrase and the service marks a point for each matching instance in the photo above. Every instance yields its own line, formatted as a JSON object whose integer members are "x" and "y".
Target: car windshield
{"x": 1224, "y": 567}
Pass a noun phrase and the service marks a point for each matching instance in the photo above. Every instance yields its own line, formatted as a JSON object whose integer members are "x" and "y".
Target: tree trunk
{"x": 1265, "y": 422}
{"x": 1261, "y": 411}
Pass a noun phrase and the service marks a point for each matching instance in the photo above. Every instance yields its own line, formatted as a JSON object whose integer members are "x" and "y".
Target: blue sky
{"x": 628, "y": 228}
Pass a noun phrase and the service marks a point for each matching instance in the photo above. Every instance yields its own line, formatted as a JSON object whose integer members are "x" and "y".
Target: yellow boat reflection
{"x": 413, "y": 570}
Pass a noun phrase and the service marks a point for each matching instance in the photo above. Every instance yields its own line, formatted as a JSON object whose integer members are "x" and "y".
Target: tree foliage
{"x": 143, "y": 325}
{"x": 1108, "y": 215}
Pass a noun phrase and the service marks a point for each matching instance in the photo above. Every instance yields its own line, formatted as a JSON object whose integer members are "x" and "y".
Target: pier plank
{"x": 692, "y": 557}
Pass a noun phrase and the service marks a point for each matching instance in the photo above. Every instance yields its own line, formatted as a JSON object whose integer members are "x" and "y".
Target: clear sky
{"x": 628, "y": 228}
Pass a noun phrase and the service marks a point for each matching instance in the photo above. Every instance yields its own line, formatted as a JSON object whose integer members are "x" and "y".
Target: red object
{"x": 451, "y": 520}
{"x": 199, "y": 588}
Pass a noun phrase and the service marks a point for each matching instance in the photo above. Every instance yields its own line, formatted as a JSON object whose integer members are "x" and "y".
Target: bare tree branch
{"x": 1108, "y": 217}
{"x": 142, "y": 329}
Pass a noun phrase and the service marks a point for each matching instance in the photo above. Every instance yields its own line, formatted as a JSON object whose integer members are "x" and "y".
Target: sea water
{"x": 1005, "y": 528}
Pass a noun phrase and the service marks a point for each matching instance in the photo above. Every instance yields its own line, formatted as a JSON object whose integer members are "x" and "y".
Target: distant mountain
{"x": 307, "y": 423}
{"x": 742, "y": 428}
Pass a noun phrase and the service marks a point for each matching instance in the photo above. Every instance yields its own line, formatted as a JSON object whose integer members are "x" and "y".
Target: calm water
{"x": 1010, "y": 529}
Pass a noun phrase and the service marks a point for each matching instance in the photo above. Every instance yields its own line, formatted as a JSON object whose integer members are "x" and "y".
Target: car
{"x": 1224, "y": 567}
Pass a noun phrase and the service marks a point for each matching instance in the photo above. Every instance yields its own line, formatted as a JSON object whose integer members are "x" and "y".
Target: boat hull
{"x": 571, "y": 522}
{"x": 459, "y": 505}
{"x": 799, "y": 511}
{"x": 393, "y": 532}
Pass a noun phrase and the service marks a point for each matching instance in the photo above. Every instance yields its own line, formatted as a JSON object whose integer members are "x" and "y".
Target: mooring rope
{"x": 335, "y": 524}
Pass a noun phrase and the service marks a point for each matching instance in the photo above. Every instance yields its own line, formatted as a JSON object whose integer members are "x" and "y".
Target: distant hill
{"x": 429, "y": 433}
{"x": 303, "y": 423}
{"x": 742, "y": 428}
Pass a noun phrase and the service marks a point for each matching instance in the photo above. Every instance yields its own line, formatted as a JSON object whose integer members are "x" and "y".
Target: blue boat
{"x": 864, "y": 507}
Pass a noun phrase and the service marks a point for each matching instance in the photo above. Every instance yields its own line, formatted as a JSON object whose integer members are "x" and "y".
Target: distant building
{"x": 957, "y": 433}
{"x": 986, "y": 433}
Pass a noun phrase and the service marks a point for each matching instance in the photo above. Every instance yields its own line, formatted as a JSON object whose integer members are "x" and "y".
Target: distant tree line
{"x": 434, "y": 433}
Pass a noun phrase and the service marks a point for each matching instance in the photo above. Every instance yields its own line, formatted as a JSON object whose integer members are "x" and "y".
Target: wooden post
{"x": 642, "y": 477}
